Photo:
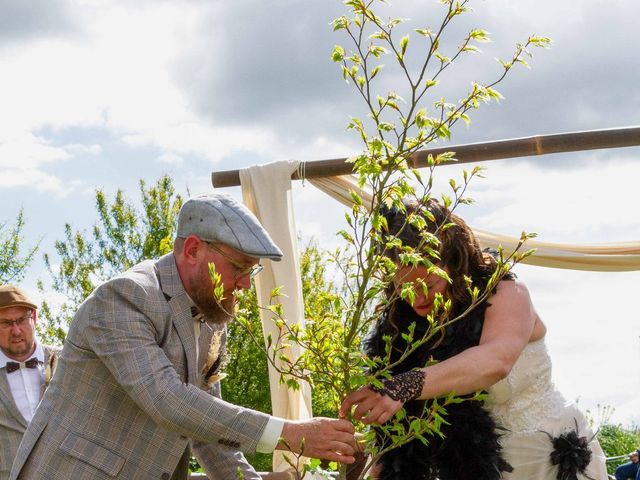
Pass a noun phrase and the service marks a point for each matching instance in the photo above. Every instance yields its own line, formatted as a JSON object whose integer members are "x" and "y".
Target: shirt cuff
{"x": 272, "y": 432}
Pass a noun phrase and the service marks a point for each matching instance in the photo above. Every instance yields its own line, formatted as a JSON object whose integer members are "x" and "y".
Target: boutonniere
{"x": 50, "y": 368}
{"x": 215, "y": 356}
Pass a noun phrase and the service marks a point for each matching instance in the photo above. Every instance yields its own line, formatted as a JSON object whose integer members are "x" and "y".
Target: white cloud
{"x": 80, "y": 149}
{"x": 35, "y": 179}
{"x": 209, "y": 142}
{"x": 27, "y": 151}
{"x": 171, "y": 159}
{"x": 594, "y": 202}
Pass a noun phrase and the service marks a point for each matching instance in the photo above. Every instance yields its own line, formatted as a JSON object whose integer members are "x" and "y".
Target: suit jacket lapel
{"x": 7, "y": 398}
{"x": 180, "y": 305}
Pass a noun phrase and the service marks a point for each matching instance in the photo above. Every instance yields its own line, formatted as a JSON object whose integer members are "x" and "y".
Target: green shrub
{"x": 617, "y": 440}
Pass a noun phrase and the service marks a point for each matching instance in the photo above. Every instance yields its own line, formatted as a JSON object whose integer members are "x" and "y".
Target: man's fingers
{"x": 327, "y": 438}
{"x": 343, "y": 426}
{"x": 335, "y": 456}
{"x": 342, "y": 451}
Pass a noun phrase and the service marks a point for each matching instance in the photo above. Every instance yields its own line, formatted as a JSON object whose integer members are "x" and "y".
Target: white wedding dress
{"x": 527, "y": 404}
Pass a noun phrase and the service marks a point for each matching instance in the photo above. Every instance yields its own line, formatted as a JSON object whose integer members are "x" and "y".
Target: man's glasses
{"x": 7, "y": 324}
{"x": 241, "y": 270}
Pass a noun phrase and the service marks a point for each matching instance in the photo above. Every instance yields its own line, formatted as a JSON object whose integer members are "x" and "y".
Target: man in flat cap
{"x": 128, "y": 399}
{"x": 23, "y": 362}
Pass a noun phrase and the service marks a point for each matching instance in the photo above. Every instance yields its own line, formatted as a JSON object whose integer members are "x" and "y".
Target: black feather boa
{"x": 470, "y": 448}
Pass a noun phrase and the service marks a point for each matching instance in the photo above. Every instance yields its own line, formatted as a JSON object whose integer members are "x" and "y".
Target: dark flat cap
{"x": 11, "y": 296}
{"x": 218, "y": 217}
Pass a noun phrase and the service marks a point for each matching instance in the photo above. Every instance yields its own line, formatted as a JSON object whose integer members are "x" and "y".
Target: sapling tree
{"x": 399, "y": 122}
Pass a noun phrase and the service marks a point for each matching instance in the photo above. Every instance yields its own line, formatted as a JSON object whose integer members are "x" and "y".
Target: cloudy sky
{"x": 101, "y": 93}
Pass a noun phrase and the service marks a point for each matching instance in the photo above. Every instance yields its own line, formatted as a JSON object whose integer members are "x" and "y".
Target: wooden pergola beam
{"x": 475, "y": 152}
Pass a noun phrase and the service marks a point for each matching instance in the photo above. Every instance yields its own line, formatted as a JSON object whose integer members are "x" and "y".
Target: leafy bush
{"x": 617, "y": 440}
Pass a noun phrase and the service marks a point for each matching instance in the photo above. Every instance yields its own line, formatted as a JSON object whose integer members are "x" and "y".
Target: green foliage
{"x": 123, "y": 236}
{"x": 13, "y": 264}
{"x": 617, "y": 440}
{"x": 247, "y": 381}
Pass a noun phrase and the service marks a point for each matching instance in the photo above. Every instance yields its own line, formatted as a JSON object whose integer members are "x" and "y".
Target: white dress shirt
{"x": 26, "y": 383}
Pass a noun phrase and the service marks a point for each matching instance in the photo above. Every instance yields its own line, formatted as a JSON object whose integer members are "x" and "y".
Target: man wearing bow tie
{"x": 22, "y": 365}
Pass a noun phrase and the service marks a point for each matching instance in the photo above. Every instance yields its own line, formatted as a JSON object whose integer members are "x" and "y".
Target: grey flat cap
{"x": 218, "y": 217}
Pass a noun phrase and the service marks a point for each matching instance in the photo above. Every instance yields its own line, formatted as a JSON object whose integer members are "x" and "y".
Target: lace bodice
{"x": 526, "y": 399}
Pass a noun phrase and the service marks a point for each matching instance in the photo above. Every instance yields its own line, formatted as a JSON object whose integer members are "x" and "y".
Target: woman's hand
{"x": 371, "y": 406}
{"x": 377, "y": 405}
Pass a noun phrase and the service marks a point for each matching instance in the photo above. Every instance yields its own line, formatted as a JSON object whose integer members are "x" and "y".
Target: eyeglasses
{"x": 241, "y": 270}
{"x": 7, "y": 324}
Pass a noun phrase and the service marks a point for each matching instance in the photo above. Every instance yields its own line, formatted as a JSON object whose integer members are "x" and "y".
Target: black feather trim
{"x": 571, "y": 453}
{"x": 470, "y": 449}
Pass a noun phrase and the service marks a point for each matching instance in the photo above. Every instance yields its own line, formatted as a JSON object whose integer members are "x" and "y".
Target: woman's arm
{"x": 508, "y": 326}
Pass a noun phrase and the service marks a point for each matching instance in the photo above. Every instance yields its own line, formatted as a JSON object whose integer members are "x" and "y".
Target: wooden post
{"x": 475, "y": 152}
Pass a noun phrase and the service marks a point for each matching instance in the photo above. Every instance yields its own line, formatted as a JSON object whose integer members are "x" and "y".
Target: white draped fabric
{"x": 266, "y": 190}
{"x": 604, "y": 257}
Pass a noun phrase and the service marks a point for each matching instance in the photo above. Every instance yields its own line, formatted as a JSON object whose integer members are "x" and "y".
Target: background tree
{"x": 14, "y": 264}
{"x": 123, "y": 236}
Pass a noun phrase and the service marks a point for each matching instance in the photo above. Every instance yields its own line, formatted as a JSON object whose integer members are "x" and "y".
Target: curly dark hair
{"x": 470, "y": 447}
{"x": 458, "y": 251}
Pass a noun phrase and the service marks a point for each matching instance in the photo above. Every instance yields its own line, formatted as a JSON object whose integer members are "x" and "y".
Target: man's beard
{"x": 15, "y": 351}
{"x": 214, "y": 311}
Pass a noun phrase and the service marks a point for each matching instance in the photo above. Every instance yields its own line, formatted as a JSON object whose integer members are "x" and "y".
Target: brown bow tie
{"x": 13, "y": 366}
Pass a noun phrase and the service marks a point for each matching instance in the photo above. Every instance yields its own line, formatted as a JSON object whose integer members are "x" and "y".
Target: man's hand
{"x": 325, "y": 438}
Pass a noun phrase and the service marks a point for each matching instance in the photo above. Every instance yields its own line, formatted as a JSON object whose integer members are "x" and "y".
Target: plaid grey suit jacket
{"x": 125, "y": 401}
{"x": 12, "y": 423}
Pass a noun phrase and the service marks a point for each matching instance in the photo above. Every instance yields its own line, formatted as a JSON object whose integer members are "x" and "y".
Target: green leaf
{"x": 543, "y": 42}
{"x": 470, "y": 48}
{"x": 404, "y": 41}
{"x": 357, "y": 200}
{"x": 480, "y": 35}
{"x": 443, "y": 59}
{"x": 424, "y": 32}
{"x": 375, "y": 71}
{"x": 340, "y": 23}
{"x": 338, "y": 54}
{"x": 380, "y": 35}
{"x": 377, "y": 51}
{"x": 394, "y": 22}
{"x": 442, "y": 131}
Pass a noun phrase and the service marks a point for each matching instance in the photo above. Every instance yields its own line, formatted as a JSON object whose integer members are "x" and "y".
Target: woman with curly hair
{"x": 525, "y": 429}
